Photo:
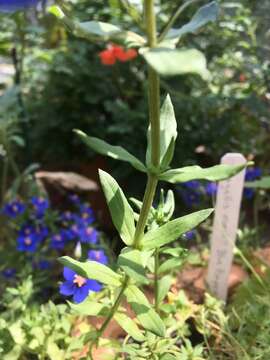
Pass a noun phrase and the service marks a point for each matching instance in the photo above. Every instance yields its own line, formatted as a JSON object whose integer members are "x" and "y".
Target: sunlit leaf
{"x": 121, "y": 212}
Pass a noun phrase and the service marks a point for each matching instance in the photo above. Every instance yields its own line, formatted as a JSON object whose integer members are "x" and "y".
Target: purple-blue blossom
{"x": 87, "y": 214}
{"x": 98, "y": 255}
{"x": 190, "y": 198}
{"x": 9, "y": 273}
{"x": 77, "y": 286}
{"x": 88, "y": 234}
{"x": 189, "y": 235}
{"x": 15, "y": 5}
{"x": 27, "y": 243}
{"x": 40, "y": 206}
{"x": 253, "y": 174}
{"x": 211, "y": 188}
{"x": 58, "y": 241}
{"x": 14, "y": 208}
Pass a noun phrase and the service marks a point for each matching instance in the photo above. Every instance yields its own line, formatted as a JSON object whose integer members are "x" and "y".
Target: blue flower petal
{"x": 93, "y": 285}
{"x": 67, "y": 288}
{"x": 80, "y": 294}
{"x": 68, "y": 274}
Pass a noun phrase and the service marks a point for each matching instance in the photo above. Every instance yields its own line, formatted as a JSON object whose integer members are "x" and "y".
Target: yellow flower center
{"x": 79, "y": 280}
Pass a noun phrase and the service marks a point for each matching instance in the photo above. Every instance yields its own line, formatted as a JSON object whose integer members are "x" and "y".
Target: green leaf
{"x": 214, "y": 173}
{"x": 89, "y": 308}
{"x": 98, "y": 30}
{"x": 115, "y": 152}
{"x": 207, "y": 13}
{"x": 169, "y": 205}
{"x": 168, "y": 134}
{"x": 169, "y": 62}
{"x": 263, "y": 183}
{"x": 173, "y": 229}
{"x": 92, "y": 270}
{"x": 170, "y": 264}
{"x": 139, "y": 204}
{"x": 165, "y": 284}
{"x": 129, "y": 326}
{"x": 146, "y": 315}
{"x": 121, "y": 212}
{"x": 131, "y": 262}
{"x": 175, "y": 252}
{"x": 171, "y": 357}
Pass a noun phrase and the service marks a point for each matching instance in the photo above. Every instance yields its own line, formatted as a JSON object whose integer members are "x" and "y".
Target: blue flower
{"x": 190, "y": 198}
{"x": 58, "y": 241}
{"x": 193, "y": 184}
{"x": 40, "y": 206}
{"x": 88, "y": 234}
{"x": 67, "y": 216}
{"x": 27, "y": 243}
{"x": 190, "y": 234}
{"x": 9, "y": 273}
{"x": 42, "y": 232}
{"x": 14, "y": 5}
{"x": 249, "y": 193}
{"x": 68, "y": 234}
{"x": 211, "y": 188}
{"x": 87, "y": 214}
{"x": 75, "y": 199}
{"x": 253, "y": 174}
{"x": 43, "y": 265}
{"x": 14, "y": 208}
{"x": 98, "y": 255}
{"x": 77, "y": 286}
{"x": 26, "y": 229}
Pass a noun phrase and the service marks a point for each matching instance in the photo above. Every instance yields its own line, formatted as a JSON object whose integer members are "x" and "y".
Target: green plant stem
{"x": 152, "y": 181}
{"x": 156, "y": 282}
{"x": 114, "y": 307}
{"x": 4, "y": 180}
{"x": 238, "y": 252}
{"x": 146, "y": 206}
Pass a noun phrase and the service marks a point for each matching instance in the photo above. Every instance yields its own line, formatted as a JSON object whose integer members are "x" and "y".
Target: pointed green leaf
{"x": 92, "y": 270}
{"x": 129, "y": 326}
{"x": 121, "y": 212}
{"x": 169, "y": 205}
{"x": 172, "y": 357}
{"x": 168, "y": 134}
{"x": 115, "y": 152}
{"x": 139, "y": 204}
{"x": 169, "y": 62}
{"x": 146, "y": 315}
{"x": 207, "y": 13}
{"x": 131, "y": 262}
{"x": 173, "y": 229}
{"x": 165, "y": 284}
{"x": 98, "y": 30}
{"x": 214, "y": 173}
{"x": 170, "y": 264}
{"x": 175, "y": 252}
{"x": 89, "y": 308}
{"x": 263, "y": 183}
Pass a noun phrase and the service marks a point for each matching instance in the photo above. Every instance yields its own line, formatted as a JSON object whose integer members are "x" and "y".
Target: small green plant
{"x": 148, "y": 235}
{"x": 149, "y": 256}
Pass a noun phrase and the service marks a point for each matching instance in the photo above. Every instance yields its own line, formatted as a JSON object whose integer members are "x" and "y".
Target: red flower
{"x": 114, "y": 53}
{"x": 242, "y": 78}
{"x": 107, "y": 57}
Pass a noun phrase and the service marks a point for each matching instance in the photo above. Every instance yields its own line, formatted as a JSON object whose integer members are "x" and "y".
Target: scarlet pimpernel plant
{"x": 149, "y": 233}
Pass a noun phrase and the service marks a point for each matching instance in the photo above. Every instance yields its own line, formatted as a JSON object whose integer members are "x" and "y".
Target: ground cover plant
{"x": 159, "y": 322}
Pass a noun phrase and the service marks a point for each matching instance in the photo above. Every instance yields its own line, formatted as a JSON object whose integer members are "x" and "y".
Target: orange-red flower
{"x": 115, "y": 53}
